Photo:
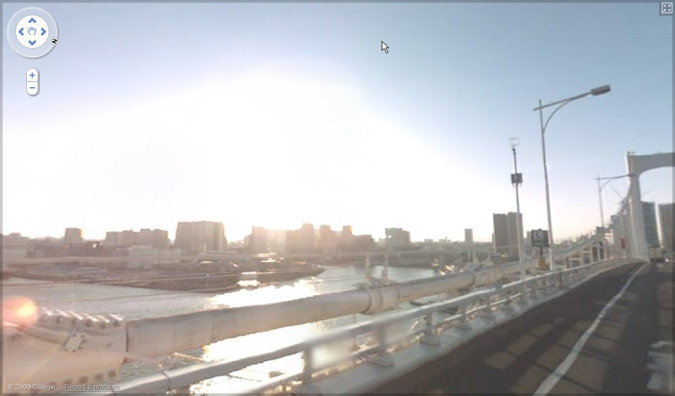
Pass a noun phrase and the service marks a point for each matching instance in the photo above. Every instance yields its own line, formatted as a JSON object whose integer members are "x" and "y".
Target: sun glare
{"x": 259, "y": 149}
{"x": 20, "y": 311}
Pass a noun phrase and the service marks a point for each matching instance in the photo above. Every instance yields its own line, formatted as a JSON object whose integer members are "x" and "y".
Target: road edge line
{"x": 562, "y": 368}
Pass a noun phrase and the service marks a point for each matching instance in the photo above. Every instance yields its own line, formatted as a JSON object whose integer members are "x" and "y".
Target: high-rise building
{"x": 292, "y": 241}
{"x": 505, "y": 237}
{"x": 158, "y": 239}
{"x": 500, "y": 239}
{"x": 397, "y": 237}
{"x": 328, "y": 239}
{"x": 305, "y": 239}
{"x": 111, "y": 238}
{"x": 302, "y": 240}
{"x": 666, "y": 220}
{"x": 126, "y": 239}
{"x": 326, "y": 234}
{"x": 276, "y": 240}
{"x": 144, "y": 237}
{"x": 651, "y": 229}
{"x": 468, "y": 235}
{"x": 200, "y": 236}
{"x": 468, "y": 242}
{"x": 72, "y": 235}
{"x": 363, "y": 243}
{"x": 258, "y": 241}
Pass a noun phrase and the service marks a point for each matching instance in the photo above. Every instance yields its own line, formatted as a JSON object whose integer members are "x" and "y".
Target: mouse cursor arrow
{"x": 384, "y": 47}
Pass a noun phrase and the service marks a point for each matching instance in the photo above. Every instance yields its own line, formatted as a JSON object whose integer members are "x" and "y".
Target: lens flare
{"x": 19, "y": 310}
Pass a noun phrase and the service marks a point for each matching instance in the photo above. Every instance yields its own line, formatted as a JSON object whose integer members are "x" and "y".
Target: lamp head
{"x": 600, "y": 90}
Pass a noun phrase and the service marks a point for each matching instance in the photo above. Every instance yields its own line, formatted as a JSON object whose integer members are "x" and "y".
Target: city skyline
{"x": 274, "y": 126}
{"x": 318, "y": 228}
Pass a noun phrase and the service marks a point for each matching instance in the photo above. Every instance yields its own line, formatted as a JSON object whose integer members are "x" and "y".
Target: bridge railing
{"x": 435, "y": 318}
{"x": 595, "y": 237}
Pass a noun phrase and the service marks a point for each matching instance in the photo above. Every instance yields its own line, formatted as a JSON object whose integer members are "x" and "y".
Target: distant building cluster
{"x": 191, "y": 238}
{"x": 15, "y": 245}
{"x": 307, "y": 239}
{"x": 196, "y": 237}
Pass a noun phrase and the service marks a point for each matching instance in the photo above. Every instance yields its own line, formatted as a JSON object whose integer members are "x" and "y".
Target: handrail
{"x": 185, "y": 376}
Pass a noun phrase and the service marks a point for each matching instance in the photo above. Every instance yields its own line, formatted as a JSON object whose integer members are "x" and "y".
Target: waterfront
{"x": 134, "y": 303}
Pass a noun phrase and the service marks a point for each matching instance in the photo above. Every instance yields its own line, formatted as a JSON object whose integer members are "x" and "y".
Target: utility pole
{"x": 516, "y": 180}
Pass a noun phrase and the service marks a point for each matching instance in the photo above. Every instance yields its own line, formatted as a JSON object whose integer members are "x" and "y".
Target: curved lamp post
{"x": 560, "y": 103}
{"x": 602, "y": 185}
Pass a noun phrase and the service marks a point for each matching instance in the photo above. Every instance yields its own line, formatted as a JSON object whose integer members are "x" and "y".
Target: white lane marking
{"x": 560, "y": 371}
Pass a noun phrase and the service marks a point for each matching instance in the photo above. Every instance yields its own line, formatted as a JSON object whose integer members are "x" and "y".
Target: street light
{"x": 600, "y": 187}
{"x": 595, "y": 92}
{"x": 516, "y": 180}
{"x": 602, "y": 214}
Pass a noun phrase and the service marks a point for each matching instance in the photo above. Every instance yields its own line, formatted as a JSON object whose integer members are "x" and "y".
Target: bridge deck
{"x": 519, "y": 356}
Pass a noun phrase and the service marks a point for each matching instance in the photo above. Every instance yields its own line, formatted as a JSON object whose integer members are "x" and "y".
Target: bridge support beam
{"x": 636, "y": 165}
{"x": 638, "y": 241}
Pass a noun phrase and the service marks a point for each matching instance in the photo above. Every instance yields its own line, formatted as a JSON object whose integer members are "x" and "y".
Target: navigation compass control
{"x": 32, "y": 32}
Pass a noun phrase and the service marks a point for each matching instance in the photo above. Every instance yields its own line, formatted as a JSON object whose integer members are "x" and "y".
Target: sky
{"x": 275, "y": 114}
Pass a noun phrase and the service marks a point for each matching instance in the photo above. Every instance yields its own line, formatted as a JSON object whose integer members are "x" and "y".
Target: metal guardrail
{"x": 145, "y": 338}
{"x": 594, "y": 238}
{"x": 567, "y": 251}
{"x": 464, "y": 308}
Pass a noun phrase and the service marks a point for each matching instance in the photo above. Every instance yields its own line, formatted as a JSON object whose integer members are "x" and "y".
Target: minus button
{"x": 32, "y": 82}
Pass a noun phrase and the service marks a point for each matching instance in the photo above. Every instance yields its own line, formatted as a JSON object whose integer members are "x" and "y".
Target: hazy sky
{"x": 279, "y": 114}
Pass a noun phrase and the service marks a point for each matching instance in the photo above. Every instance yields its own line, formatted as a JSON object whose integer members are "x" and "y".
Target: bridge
{"x": 603, "y": 325}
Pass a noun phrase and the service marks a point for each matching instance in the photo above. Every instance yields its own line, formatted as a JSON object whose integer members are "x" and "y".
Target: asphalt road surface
{"x": 518, "y": 357}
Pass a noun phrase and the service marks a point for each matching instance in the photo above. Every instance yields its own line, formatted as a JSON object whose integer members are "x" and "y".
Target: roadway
{"x": 536, "y": 351}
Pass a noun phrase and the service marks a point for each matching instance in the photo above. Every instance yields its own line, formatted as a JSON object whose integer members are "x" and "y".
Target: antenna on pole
{"x": 516, "y": 180}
